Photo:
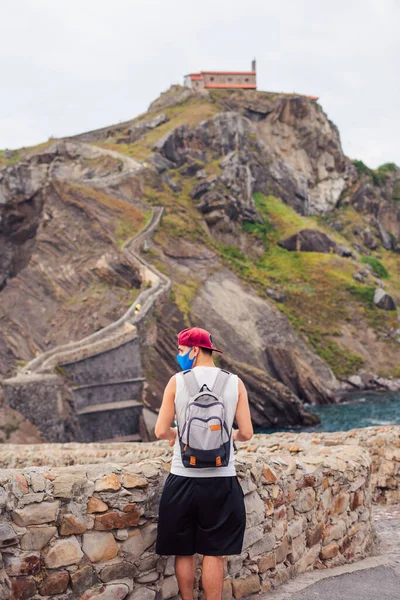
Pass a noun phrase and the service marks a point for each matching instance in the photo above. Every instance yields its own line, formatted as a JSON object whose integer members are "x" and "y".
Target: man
{"x": 201, "y": 509}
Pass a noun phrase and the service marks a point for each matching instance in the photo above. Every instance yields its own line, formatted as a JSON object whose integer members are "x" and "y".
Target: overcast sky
{"x": 68, "y": 66}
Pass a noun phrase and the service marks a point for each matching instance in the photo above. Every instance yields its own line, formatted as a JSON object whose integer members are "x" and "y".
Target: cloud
{"x": 72, "y": 66}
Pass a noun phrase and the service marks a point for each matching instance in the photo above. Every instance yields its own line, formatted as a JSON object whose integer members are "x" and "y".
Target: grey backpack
{"x": 204, "y": 437}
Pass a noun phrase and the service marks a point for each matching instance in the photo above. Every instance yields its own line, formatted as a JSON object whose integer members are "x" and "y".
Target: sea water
{"x": 359, "y": 409}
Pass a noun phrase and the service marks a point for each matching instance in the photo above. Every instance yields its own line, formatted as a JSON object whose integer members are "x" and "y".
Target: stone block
{"x": 295, "y": 527}
{"x": 149, "y": 577}
{"x": 62, "y": 553}
{"x": 96, "y": 505}
{"x": 308, "y": 559}
{"x": 22, "y": 588}
{"x": 67, "y": 485}
{"x": 8, "y": 537}
{"x": 269, "y": 474}
{"x": 251, "y": 536}
{"x": 117, "y": 571}
{"x": 341, "y": 503}
{"x": 36, "y": 514}
{"x": 314, "y": 534}
{"x": 329, "y": 551}
{"x": 108, "y": 483}
{"x": 24, "y": 563}
{"x": 133, "y": 481}
{"x": 298, "y": 547}
{"x": 305, "y": 500}
{"x": 36, "y": 538}
{"x": 121, "y": 534}
{"x": 99, "y": 546}
{"x": 169, "y": 587}
{"x": 255, "y": 509}
{"x": 142, "y": 593}
{"x": 38, "y": 482}
{"x": 226, "y": 590}
{"x": 335, "y": 531}
{"x": 114, "y": 591}
{"x": 19, "y": 485}
{"x": 115, "y": 520}
{"x": 149, "y": 534}
{"x": 134, "y": 545}
{"x": 357, "y": 499}
{"x": 70, "y": 524}
{"x": 268, "y": 561}
{"x": 54, "y": 583}
{"x": 83, "y": 579}
{"x": 266, "y": 544}
{"x": 246, "y": 586}
{"x": 283, "y": 549}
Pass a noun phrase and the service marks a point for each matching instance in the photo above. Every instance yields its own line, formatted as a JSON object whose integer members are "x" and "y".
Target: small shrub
{"x": 363, "y": 293}
{"x": 388, "y": 168}
{"x": 378, "y": 268}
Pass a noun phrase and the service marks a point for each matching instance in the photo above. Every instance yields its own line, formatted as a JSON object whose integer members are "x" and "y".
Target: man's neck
{"x": 204, "y": 363}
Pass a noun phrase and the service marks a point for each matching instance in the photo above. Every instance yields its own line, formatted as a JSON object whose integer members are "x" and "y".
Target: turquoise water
{"x": 360, "y": 409}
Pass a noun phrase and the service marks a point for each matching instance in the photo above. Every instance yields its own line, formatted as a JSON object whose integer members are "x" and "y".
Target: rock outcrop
{"x": 383, "y": 300}
{"x": 377, "y": 196}
{"x": 309, "y": 240}
{"x": 55, "y": 225}
{"x": 22, "y": 194}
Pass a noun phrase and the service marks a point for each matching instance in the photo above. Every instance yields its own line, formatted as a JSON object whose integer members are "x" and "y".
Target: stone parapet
{"x": 88, "y": 531}
{"x": 382, "y": 444}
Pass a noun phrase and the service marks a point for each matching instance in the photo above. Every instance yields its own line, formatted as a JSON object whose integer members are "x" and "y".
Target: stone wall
{"x": 381, "y": 443}
{"x": 88, "y": 531}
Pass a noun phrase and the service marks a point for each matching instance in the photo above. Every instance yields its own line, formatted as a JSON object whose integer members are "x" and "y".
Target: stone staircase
{"x": 103, "y": 370}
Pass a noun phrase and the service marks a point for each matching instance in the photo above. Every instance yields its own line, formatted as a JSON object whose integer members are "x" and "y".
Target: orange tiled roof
{"x": 196, "y": 76}
{"x": 228, "y": 72}
{"x": 246, "y": 86}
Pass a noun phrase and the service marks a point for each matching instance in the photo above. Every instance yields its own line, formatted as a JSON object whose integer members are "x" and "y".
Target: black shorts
{"x": 201, "y": 515}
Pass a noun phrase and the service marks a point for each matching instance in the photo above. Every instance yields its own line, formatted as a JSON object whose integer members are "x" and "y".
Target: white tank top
{"x": 205, "y": 375}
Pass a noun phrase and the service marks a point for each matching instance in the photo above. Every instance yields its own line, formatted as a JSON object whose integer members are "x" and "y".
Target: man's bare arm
{"x": 242, "y": 416}
{"x": 163, "y": 429}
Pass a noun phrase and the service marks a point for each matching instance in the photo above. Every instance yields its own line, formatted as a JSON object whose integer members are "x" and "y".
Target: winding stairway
{"x": 103, "y": 370}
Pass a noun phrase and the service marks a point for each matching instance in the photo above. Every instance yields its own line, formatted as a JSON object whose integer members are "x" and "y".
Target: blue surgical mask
{"x": 184, "y": 361}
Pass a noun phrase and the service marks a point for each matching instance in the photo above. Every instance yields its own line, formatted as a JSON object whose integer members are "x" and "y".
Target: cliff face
{"x": 242, "y": 177}
{"x": 61, "y": 244}
{"x": 22, "y": 190}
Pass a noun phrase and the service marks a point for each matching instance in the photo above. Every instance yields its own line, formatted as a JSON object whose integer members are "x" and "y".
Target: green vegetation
{"x": 379, "y": 175}
{"x": 396, "y": 191}
{"x": 363, "y": 293}
{"x": 388, "y": 168}
{"x": 183, "y": 295}
{"x": 378, "y": 268}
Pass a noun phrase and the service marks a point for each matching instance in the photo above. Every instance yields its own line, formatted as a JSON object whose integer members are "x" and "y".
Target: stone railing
{"x": 381, "y": 443}
{"x": 89, "y": 531}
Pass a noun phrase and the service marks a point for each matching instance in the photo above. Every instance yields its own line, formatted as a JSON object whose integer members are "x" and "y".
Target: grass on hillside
{"x": 189, "y": 113}
{"x": 321, "y": 294}
{"x": 127, "y": 220}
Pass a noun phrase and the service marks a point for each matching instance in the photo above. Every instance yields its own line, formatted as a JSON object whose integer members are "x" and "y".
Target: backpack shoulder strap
{"x": 220, "y": 382}
{"x": 191, "y": 383}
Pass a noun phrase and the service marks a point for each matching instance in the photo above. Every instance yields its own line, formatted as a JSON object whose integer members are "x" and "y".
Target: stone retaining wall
{"x": 382, "y": 444}
{"x": 88, "y": 531}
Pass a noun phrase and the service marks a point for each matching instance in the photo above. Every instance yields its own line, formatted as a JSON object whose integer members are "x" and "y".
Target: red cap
{"x": 195, "y": 336}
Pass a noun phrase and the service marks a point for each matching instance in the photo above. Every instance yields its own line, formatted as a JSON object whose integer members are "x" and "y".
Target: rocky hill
{"x": 273, "y": 239}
